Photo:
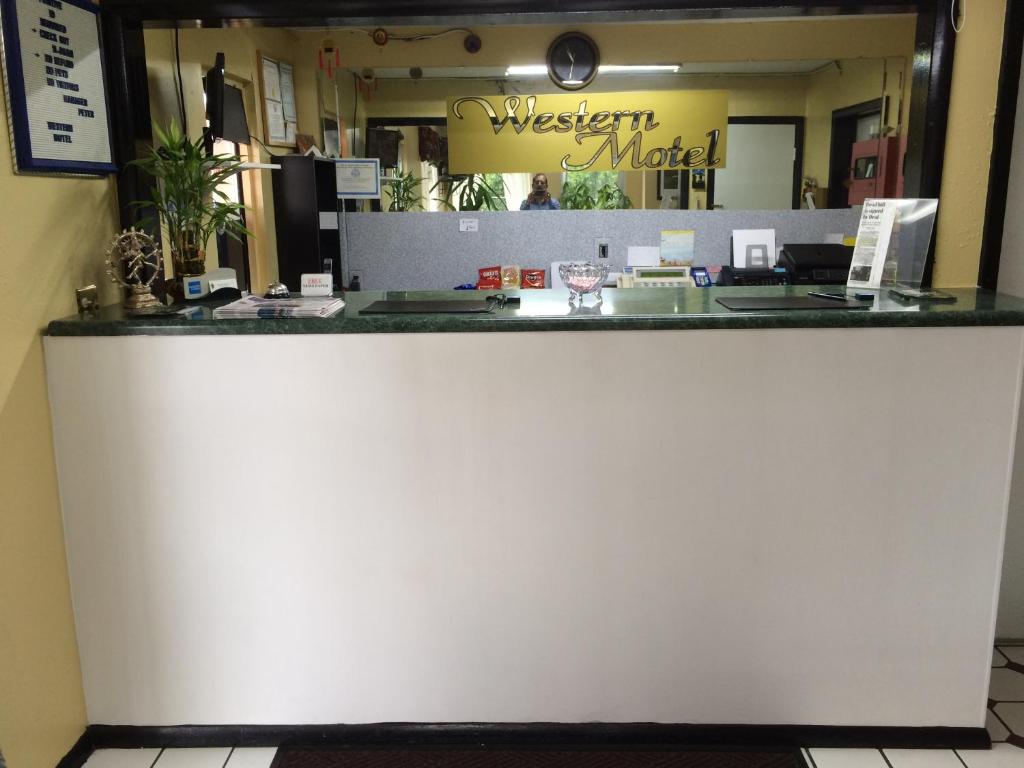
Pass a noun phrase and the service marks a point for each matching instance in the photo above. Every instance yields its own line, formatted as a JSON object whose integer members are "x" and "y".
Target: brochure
{"x": 257, "y": 306}
{"x": 872, "y": 248}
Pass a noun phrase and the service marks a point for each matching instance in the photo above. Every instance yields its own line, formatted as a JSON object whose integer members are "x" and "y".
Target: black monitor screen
{"x": 215, "y": 97}
{"x": 236, "y": 128}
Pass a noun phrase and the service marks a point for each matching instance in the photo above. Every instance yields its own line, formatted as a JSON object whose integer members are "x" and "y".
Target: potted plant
{"x": 593, "y": 191}
{"x": 188, "y": 198}
{"x": 477, "y": 192}
{"x": 405, "y": 192}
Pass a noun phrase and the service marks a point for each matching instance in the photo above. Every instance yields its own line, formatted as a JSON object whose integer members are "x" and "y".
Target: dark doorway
{"x": 845, "y": 124}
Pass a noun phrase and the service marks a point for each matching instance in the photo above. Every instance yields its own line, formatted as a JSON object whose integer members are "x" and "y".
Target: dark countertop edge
{"x": 455, "y": 324}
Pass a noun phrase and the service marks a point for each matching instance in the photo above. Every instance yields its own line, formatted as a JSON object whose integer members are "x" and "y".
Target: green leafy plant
{"x": 405, "y": 192}
{"x": 577, "y": 196}
{"x": 474, "y": 192}
{"x": 188, "y": 198}
{"x": 598, "y": 190}
{"x": 611, "y": 196}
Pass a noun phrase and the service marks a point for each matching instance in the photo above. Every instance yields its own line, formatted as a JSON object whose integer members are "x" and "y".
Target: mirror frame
{"x": 125, "y": 54}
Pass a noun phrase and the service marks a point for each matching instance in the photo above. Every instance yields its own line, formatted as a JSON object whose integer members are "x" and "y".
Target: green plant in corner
{"x": 611, "y": 196}
{"x": 597, "y": 190}
{"x": 577, "y": 196}
{"x": 476, "y": 192}
{"x": 405, "y": 192}
{"x": 188, "y": 198}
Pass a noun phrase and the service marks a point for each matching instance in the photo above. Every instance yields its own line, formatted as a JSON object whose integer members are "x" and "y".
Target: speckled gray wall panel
{"x": 426, "y": 251}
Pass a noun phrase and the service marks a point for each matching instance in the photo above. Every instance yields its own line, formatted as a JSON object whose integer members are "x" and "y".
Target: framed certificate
{"x": 54, "y": 86}
{"x": 358, "y": 178}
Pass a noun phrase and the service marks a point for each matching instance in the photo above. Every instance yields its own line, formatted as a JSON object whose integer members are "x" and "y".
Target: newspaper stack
{"x": 257, "y": 306}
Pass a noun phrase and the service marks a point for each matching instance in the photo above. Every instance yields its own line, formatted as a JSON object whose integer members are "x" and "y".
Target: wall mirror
{"x": 819, "y": 108}
{"x": 811, "y": 131}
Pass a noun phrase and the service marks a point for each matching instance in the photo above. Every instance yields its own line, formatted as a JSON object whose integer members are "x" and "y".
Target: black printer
{"x": 753, "y": 276}
{"x": 817, "y": 263}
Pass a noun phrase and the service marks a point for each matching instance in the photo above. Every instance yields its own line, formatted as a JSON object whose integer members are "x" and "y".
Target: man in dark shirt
{"x": 540, "y": 199}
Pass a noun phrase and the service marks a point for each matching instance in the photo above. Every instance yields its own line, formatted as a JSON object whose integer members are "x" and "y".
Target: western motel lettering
{"x": 620, "y": 139}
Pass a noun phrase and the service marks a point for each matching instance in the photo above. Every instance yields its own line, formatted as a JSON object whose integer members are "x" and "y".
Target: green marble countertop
{"x": 549, "y": 310}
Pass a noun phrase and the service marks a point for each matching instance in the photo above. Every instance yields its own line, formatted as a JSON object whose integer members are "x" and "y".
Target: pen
{"x": 833, "y": 296}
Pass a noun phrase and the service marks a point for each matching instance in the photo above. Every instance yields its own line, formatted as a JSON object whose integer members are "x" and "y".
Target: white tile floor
{"x": 1005, "y": 726}
{"x": 1000, "y": 756}
{"x": 256, "y": 757}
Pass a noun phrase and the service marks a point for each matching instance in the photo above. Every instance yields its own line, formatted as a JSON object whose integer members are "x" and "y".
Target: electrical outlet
{"x": 602, "y": 247}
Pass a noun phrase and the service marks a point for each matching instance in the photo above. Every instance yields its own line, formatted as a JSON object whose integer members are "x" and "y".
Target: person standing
{"x": 539, "y": 198}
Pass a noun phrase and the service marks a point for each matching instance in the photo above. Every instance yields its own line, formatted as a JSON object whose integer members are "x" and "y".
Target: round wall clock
{"x": 572, "y": 61}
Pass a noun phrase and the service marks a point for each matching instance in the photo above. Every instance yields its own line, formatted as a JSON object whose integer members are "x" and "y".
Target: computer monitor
{"x": 215, "y": 97}
{"x": 236, "y": 127}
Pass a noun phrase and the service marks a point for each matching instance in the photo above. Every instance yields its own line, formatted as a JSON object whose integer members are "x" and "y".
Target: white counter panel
{"x": 774, "y": 526}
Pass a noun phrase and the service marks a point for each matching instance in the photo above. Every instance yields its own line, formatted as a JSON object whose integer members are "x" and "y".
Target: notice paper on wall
{"x": 676, "y": 247}
{"x": 276, "y": 78}
{"x": 872, "y": 247}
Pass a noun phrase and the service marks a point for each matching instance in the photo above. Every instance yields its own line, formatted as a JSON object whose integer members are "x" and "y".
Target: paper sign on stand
{"x": 869, "y": 254}
{"x": 753, "y": 248}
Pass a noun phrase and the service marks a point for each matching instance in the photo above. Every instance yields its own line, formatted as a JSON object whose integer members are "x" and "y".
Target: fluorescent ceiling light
{"x": 541, "y": 69}
{"x": 638, "y": 68}
{"x": 528, "y": 69}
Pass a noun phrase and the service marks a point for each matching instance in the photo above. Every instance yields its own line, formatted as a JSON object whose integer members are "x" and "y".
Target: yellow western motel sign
{"x": 628, "y": 131}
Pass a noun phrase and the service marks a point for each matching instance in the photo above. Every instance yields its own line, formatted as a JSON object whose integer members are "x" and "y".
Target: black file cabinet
{"x": 306, "y": 218}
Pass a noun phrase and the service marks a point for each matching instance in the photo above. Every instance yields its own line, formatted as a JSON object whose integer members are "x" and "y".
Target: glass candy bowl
{"x": 583, "y": 277}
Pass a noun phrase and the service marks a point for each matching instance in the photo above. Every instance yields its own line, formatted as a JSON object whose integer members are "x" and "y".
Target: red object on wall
{"x": 328, "y": 60}
{"x": 875, "y": 169}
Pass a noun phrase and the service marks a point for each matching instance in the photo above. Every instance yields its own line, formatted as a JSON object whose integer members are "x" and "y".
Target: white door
{"x": 759, "y": 168}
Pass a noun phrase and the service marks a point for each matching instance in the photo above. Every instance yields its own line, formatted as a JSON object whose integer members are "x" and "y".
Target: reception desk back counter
{"x": 417, "y": 251}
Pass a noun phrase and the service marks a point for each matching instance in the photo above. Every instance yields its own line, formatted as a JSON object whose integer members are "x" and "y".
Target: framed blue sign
{"x": 54, "y": 86}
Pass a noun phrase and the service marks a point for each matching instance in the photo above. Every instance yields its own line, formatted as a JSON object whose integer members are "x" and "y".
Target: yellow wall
{"x": 53, "y": 232}
{"x": 642, "y": 43}
{"x": 968, "y": 148}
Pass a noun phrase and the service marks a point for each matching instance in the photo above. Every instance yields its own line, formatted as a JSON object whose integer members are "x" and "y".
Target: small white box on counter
{"x": 317, "y": 284}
